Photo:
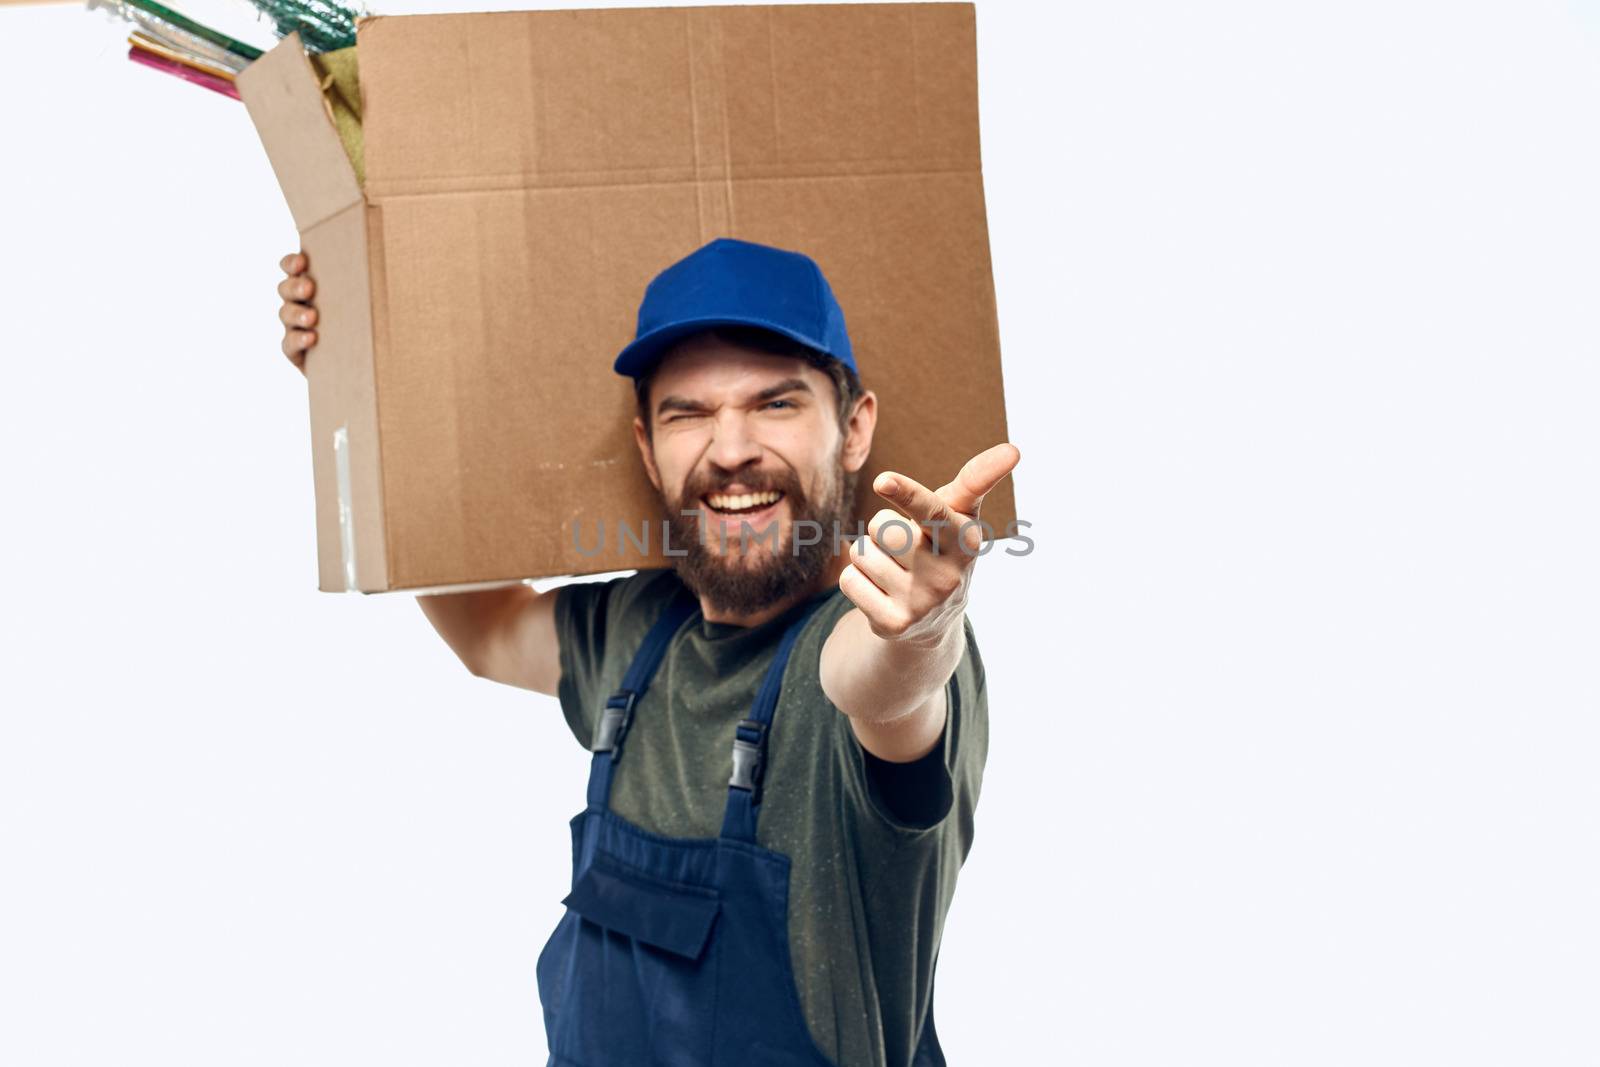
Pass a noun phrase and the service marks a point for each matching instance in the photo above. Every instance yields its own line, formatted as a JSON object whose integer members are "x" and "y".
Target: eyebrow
{"x": 788, "y": 385}
{"x": 677, "y": 403}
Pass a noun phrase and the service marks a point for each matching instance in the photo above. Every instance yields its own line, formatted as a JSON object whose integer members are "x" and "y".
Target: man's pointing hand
{"x": 910, "y": 575}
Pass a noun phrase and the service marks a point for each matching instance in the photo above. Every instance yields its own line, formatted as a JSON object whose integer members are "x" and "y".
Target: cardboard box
{"x": 527, "y": 173}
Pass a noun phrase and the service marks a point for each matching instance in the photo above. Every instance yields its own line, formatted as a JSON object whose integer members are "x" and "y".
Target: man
{"x": 763, "y": 878}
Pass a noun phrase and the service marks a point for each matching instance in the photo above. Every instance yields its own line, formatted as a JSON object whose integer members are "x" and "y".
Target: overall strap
{"x": 750, "y": 742}
{"x": 617, "y": 715}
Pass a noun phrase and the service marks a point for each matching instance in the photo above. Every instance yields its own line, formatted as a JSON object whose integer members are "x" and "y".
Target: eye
{"x": 775, "y": 403}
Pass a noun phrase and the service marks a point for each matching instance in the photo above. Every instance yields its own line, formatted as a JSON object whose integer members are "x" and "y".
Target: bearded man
{"x": 763, "y": 880}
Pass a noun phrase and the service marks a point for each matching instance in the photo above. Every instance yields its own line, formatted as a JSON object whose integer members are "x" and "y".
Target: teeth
{"x": 741, "y": 501}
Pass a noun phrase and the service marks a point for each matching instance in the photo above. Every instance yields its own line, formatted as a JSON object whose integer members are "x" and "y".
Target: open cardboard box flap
{"x": 528, "y": 173}
{"x": 282, "y": 94}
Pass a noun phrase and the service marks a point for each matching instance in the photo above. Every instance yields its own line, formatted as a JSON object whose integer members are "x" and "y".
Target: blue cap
{"x": 737, "y": 283}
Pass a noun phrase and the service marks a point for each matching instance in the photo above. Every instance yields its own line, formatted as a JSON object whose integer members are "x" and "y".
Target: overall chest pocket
{"x": 674, "y": 918}
{"x": 631, "y": 970}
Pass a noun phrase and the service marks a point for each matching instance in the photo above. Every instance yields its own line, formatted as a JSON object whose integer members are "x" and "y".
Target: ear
{"x": 858, "y": 431}
{"x": 647, "y": 452}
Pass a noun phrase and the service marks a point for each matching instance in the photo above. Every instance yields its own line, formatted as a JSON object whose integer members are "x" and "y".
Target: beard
{"x": 750, "y": 573}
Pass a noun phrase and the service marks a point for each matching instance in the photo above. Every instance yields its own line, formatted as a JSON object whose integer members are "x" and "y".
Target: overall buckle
{"x": 615, "y": 718}
{"x": 749, "y": 756}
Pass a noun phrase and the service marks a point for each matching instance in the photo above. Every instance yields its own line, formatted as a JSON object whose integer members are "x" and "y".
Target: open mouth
{"x": 741, "y": 505}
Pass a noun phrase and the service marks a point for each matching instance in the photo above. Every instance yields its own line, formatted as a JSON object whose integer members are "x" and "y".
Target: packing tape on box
{"x": 347, "y": 529}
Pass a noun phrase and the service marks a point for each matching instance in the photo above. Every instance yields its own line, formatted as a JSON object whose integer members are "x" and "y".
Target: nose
{"x": 732, "y": 446}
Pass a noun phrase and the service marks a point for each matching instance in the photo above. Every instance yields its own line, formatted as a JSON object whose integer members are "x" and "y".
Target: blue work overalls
{"x": 674, "y": 952}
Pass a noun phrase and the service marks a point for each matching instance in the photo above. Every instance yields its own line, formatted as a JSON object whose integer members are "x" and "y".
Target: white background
{"x": 1293, "y": 754}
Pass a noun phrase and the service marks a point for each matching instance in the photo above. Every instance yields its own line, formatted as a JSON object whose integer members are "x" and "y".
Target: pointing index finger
{"x": 977, "y": 476}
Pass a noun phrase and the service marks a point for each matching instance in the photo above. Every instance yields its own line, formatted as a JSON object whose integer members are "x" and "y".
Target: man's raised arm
{"x": 507, "y": 635}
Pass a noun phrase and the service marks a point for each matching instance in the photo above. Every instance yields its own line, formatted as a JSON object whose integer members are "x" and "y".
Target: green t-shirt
{"x": 875, "y": 847}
